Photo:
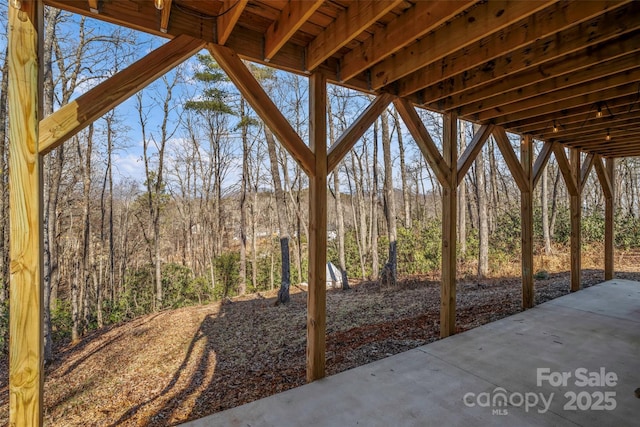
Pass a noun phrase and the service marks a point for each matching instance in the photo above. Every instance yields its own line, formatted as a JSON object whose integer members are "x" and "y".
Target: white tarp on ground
{"x": 334, "y": 277}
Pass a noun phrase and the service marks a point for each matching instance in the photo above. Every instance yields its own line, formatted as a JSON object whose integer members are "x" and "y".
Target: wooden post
{"x": 449, "y": 221}
{"x": 26, "y": 363}
{"x": 526, "y": 215}
{"x": 576, "y": 216}
{"x": 316, "y": 297}
{"x": 609, "y": 236}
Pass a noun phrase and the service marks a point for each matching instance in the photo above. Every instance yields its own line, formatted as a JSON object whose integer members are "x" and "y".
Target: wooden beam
{"x": 603, "y": 176}
{"x": 348, "y": 25}
{"x": 541, "y": 162}
{"x": 26, "y": 361}
{"x": 537, "y": 125}
{"x": 514, "y": 105}
{"x": 293, "y": 16}
{"x": 93, "y": 6}
{"x": 449, "y": 232}
{"x": 609, "y": 218}
{"x": 226, "y": 22}
{"x": 610, "y": 57}
{"x": 555, "y": 109}
{"x": 164, "y": 16}
{"x": 423, "y": 140}
{"x": 414, "y": 23}
{"x": 347, "y": 140}
{"x": 578, "y": 81}
{"x": 565, "y": 169}
{"x": 316, "y": 297}
{"x": 576, "y": 216}
{"x": 584, "y": 171}
{"x": 75, "y": 116}
{"x": 526, "y": 218}
{"x": 460, "y": 32}
{"x": 589, "y": 126}
{"x": 511, "y": 159}
{"x": 527, "y": 43}
{"x": 256, "y": 96}
{"x": 472, "y": 150}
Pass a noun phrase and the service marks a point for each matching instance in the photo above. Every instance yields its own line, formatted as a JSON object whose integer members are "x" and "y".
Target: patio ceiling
{"x": 565, "y": 71}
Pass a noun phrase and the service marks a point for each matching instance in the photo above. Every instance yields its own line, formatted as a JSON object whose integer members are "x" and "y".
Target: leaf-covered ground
{"x": 173, "y": 366}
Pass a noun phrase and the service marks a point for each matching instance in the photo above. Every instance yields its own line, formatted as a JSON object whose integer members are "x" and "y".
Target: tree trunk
{"x": 283, "y": 221}
{"x": 242, "y": 288}
{"x": 342, "y": 259}
{"x": 406, "y": 197}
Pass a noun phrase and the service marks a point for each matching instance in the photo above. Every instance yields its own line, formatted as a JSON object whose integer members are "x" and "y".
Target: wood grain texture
{"x": 227, "y": 22}
{"x": 565, "y": 169}
{"x": 316, "y": 297}
{"x": 358, "y": 16}
{"x": 460, "y": 32}
{"x": 26, "y": 365}
{"x": 261, "y": 103}
{"x": 165, "y": 15}
{"x": 350, "y": 136}
{"x": 526, "y": 217}
{"x": 423, "y": 140}
{"x": 449, "y": 232}
{"x": 410, "y": 26}
{"x": 75, "y": 116}
{"x": 292, "y": 17}
{"x": 609, "y": 223}
{"x": 576, "y": 220}
{"x": 510, "y": 158}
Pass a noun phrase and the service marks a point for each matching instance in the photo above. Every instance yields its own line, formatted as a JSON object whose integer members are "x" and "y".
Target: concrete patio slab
{"x": 573, "y": 361}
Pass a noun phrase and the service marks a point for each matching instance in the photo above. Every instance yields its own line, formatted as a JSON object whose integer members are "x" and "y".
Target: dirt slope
{"x": 178, "y": 365}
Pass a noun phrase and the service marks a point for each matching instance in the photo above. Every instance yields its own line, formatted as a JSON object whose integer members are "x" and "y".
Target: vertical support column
{"x": 449, "y": 221}
{"x": 526, "y": 215}
{"x": 26, "y": 364}
{"x": 609, "y": 222}
{"x": 576, "y": 216}
{"x": 316, "y": 297}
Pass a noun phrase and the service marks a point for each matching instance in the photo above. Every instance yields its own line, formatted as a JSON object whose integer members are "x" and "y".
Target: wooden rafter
{"x": 350, "y": 23}
{"x": 350, "y": 136}
{"x": 423, "y": 140}
{"x": 164, "y": 15}
{"x": 622, "y": 49}
{"x": 460, "y": 32}
{"x": 472, "y": 150}
{"x": 539, "y": 124}
{"x": 292, "y": 17}
{"x": 93, "y": 6}
{"x": 554, "y": 110}
{"x": 527, "y": 42}
{"x": 226, "y": 22}
{"x": 579, "y": 81}
{"x": 510, "y": 158}
{"x": 262, "y": 104}
{"x": 415, "y": 22}
{"x": 75, "y": 116}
